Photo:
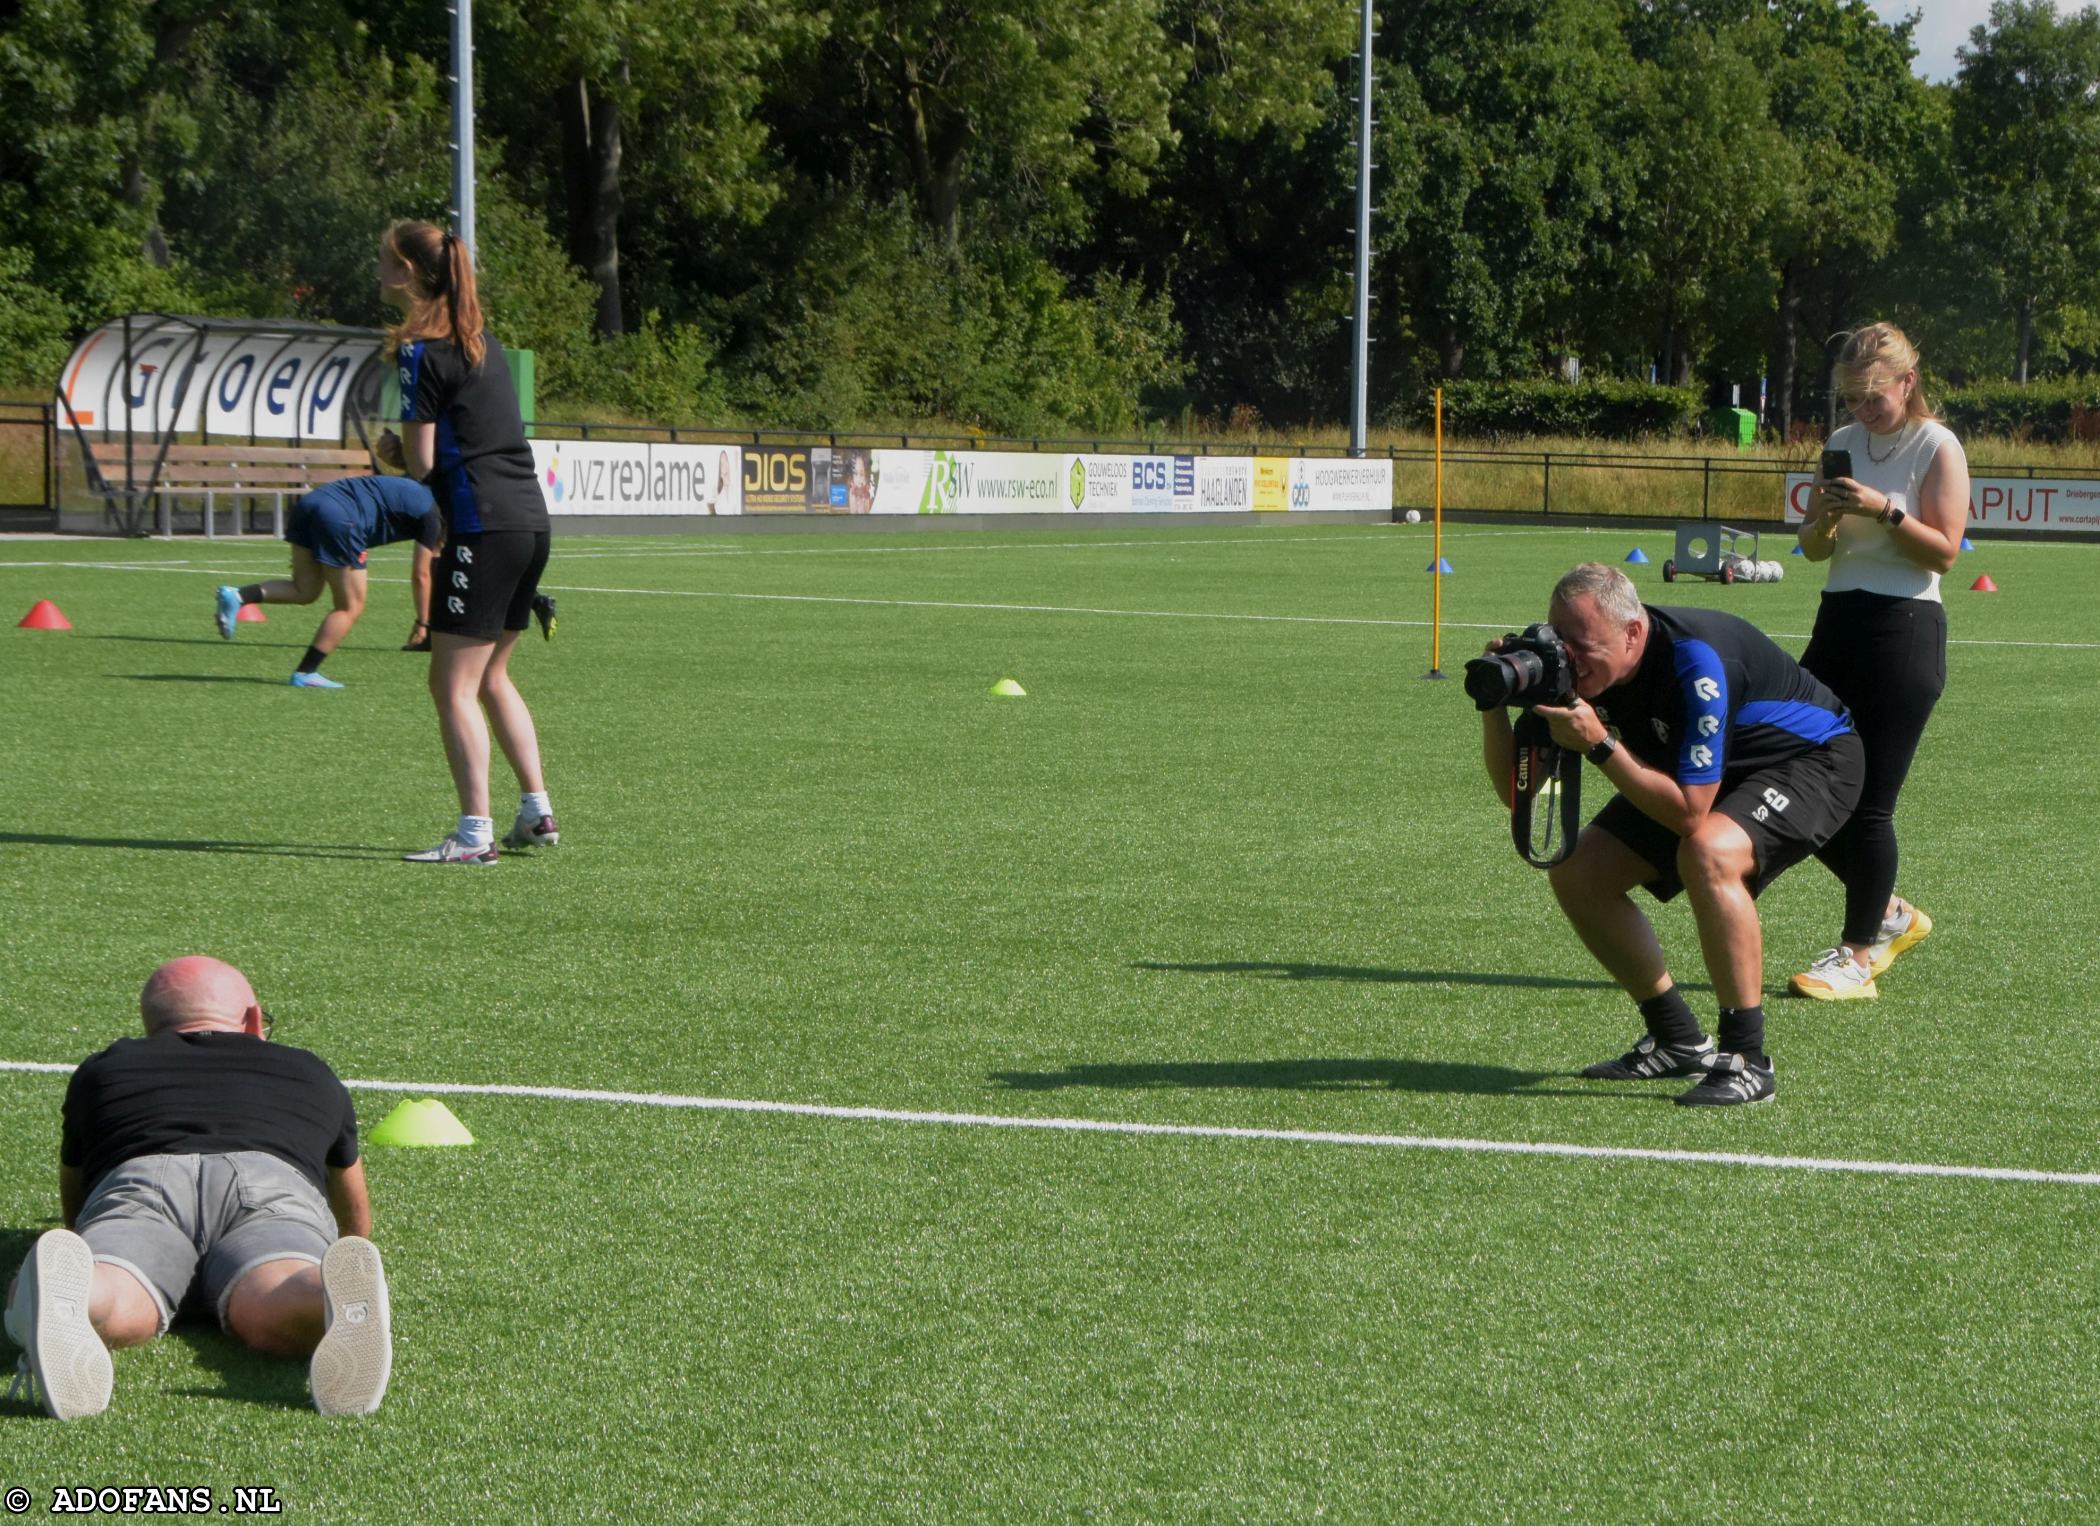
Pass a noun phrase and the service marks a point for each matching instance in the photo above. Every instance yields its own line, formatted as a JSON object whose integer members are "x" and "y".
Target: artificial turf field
{"x": 1229, "y": 864}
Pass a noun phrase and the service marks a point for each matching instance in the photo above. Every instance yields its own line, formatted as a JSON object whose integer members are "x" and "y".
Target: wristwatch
{"x": 1892, "y": 516}
{"x": 1601, "y": 753}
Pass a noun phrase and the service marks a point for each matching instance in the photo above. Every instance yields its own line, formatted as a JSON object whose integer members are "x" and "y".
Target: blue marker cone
{"x": 1441, "y": 564}
{"x": 1967, "y": 544}
{"x": 1637, "y": 556}
{"x": 1797, "y": 551}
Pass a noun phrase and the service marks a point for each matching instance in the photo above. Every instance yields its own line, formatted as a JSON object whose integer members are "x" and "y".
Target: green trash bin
{"x": 1738, "y": 426}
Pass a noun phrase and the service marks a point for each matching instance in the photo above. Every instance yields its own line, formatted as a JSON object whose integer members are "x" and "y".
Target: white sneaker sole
{"x": 437, "y": 856}
{"x": 1816, "y": 989}
{"x": 522, "y": 840}
{"x": 351, "y": 1366}
{"x": 71, "y": 1365}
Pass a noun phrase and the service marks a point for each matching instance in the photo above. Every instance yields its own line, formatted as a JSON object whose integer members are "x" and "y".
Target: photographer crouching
{"x": 1732, "y": 763}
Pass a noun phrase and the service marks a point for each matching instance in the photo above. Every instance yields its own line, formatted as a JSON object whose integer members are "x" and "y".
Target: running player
{"x": 330, "y": 531}
{"x": 463, "y": 434}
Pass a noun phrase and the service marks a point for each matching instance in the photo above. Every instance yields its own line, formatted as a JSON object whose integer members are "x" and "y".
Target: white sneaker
{"x": 453, "y": 851}
{"x": 350, "y": 1368}
{"x": 62, "y": 1356}
{"x": 1836, "y": 976}
{"x": 530, "y": 831}
{"x": 1900, "y": 933}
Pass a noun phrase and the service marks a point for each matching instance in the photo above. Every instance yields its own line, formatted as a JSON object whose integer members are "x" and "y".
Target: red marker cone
{"x": 252, "y": 613}
{"x": 43, "y": 616}
{"x": 1983, "y": 585}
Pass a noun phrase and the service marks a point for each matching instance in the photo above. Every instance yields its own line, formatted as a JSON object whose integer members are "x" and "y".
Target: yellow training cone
{"x": 1010, "y": 689}
{"x": 414, "y": 1125}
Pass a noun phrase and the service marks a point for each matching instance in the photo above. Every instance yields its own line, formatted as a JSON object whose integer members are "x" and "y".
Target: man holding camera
{"x": 1731, "y": 762}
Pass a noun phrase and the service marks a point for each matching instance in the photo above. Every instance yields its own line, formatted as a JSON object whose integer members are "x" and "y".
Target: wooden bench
{"x": 210, "y": 472}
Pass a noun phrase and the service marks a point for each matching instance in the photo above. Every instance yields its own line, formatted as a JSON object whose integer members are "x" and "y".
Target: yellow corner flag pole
{"x": 1436, "y": 561}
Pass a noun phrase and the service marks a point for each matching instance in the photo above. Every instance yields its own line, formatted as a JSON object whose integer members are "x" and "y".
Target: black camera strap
{"x": 1543, "y": 769}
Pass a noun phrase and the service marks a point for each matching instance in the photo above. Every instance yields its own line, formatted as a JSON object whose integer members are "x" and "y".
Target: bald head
{"x": 194, "y": 994}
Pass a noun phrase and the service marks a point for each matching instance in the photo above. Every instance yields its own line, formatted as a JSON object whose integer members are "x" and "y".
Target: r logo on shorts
{"x": 493, "y": 575}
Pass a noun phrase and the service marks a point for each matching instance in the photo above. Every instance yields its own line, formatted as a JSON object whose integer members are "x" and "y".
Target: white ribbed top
{"x": 1865, "y": 556}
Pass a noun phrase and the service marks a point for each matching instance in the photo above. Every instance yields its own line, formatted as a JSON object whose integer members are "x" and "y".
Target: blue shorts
{"x": 333, "y": 535}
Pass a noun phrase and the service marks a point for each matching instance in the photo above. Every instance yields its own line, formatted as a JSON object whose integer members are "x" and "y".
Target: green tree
{"x": 1502, "y": 164}
{"x": 1025, "y": 101}
{"x": 2027, "y": 147}
{"x": 684, "y": 77}
{"x": 1861, "y": 127}
{"x": 1710, "y": 166}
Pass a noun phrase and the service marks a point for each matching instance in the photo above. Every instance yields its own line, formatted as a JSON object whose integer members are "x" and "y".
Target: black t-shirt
{"x": 206, "y": 1094}
{"x": 1715, "y": 700}
{"x": 484, "y": 477}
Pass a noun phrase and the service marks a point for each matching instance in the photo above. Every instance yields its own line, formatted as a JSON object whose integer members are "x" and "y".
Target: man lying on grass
{"x": 193, "y": 1162}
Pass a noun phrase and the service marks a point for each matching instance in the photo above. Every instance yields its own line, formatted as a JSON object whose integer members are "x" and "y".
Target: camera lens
{"x": 1489, "y": 682}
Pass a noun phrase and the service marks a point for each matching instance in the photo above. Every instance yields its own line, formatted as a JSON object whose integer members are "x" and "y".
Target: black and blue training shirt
{"x": 484, "y": 478}
{"x": 1715, "y": 700}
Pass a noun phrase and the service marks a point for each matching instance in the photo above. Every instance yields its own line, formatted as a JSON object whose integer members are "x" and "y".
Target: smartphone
{"x": 1836, "y": 464}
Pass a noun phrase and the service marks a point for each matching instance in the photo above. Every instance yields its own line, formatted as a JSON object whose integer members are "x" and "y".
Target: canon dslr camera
{"x": 1531, "y": 669}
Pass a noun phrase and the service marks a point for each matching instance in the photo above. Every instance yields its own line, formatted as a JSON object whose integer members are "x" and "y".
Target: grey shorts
{"x": 178, "y": 1221}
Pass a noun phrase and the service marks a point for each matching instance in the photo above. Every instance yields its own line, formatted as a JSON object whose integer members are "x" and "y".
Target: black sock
{"x": 1743, "y": 1032}
{"x": 1670, "y": 1020}
{"x": 251, "y": 593}
{"x": 311, "y": 662}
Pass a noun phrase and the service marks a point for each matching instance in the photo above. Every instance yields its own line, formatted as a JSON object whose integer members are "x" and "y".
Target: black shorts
{"x": 1788, "y": 811}
{"x": 482, "y": 582}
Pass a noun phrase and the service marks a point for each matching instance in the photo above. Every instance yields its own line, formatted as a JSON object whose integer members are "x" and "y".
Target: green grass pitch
{"x": 1230, "y": 863}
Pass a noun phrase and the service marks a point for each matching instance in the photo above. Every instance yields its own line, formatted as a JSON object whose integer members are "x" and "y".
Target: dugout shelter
{"x": 170, "y": 423}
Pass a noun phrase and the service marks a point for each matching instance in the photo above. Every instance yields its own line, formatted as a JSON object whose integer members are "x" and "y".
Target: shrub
{"x": 2046, "y": 411}
{"x": 1610, "y": 410}
{"x": 35, "y": 326}
{"x": 880, "y": 323}
{"x": 664, "y": 373}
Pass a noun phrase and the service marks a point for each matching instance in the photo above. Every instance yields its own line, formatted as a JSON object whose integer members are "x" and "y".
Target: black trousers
{"x": 1887, "y": 660}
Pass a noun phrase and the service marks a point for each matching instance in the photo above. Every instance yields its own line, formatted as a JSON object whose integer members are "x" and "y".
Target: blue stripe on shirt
{"x": 1811, "y": 723}
{"x": 459, "y": 487}
{"x": 1705, "y": 685}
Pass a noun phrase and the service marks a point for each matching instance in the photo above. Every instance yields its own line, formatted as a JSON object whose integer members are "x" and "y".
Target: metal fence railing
{"x": 1604, "y": 483}
{"x": 28, "y": 466}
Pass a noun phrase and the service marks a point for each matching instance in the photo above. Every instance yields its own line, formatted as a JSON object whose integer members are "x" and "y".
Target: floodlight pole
{"x": 463, "y": 121}
{"x": 1360, "y": 380}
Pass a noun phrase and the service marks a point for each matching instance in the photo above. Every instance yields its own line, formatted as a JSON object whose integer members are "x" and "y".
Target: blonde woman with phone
{"x": 1891, "y": 499}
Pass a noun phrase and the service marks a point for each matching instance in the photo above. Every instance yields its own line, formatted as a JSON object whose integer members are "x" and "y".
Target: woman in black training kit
{"x": 463, "y": 436}
{"x": 1880, "y": 642}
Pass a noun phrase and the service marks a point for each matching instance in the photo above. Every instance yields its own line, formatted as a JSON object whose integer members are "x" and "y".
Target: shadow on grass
{"x": 1314, "y": 1076}
{"x": 245, "y": 1376}
{"x": 187, "y": 845}
{"x": 197, "y": 678}
{"x": 1279, "y": 970}
{"x": 193, "y": 641}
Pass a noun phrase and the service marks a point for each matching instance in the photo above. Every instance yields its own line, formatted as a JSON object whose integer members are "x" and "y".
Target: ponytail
{"x": 443, "y": 301}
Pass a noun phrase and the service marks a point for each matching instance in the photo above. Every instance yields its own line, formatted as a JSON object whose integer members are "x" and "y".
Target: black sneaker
{"x": 543, "y": 611}
{"x": 1729, "y": 1080}
{"x": 1650, "y": 1060}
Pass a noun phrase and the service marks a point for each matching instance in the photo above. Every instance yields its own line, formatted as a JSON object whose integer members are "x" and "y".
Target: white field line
{"x": 1199, "y": 1131}
{"x": 609, "y": 548}
{"x": 1033, "y": 609}
{"x": 597, "y": 550}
